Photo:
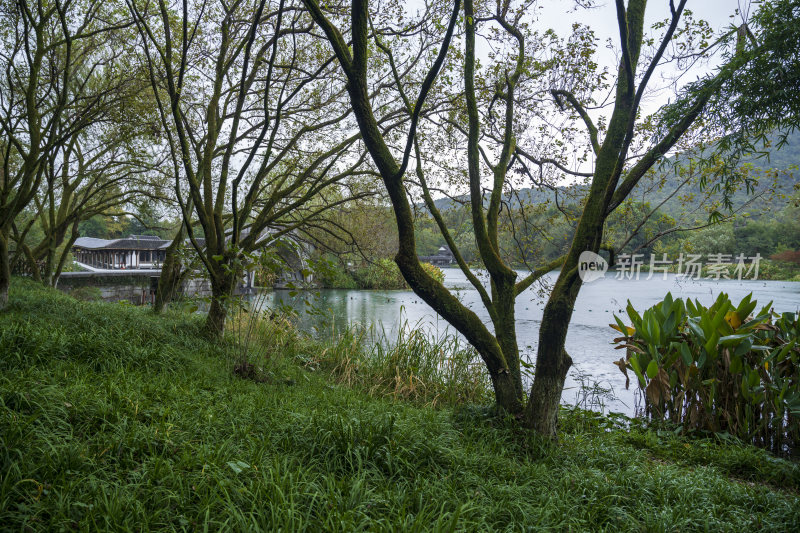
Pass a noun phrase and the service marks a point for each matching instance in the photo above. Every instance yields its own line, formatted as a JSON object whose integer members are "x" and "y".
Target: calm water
{"x": 589, "y": 337}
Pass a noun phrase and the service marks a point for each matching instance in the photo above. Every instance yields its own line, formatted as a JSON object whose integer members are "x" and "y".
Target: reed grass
{"x": 406, "y": 364}
{"x": 114, "y": 419}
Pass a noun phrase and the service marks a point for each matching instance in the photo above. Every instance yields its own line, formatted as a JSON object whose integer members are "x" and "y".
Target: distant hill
{"x": 779, "y": 158}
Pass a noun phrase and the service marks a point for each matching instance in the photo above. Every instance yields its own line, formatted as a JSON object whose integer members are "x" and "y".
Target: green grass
{"x": 114, "y": 419}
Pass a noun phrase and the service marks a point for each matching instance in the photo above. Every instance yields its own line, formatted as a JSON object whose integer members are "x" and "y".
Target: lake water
{"x": 589, "y": 338}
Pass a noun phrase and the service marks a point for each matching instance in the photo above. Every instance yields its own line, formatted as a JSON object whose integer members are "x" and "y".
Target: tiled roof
{"x": 187, "y": 242}
{"x": 134, "y": 242}
{"x": 91, "y": 242}
{"x": 145, "y": 242}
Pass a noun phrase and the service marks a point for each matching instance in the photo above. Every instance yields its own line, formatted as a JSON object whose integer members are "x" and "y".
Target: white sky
{"x": 561, "y": 14}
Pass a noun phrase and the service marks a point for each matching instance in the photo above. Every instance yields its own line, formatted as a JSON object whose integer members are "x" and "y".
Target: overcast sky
{"x": 561, "y": 14}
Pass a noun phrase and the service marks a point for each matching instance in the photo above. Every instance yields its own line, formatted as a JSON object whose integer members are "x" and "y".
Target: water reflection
{"x": 589, "y": 338}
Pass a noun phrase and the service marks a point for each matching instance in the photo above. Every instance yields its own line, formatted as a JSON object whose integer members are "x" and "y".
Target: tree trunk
{"x": 552, "y": 360}
{"x": 168, "y": 282}
{"x": 505, "y": 329}
{"x": 171, "y": 274}
{"x": 65, "y": 252}
{"x": 5, "y": 271}
{"x": 33, "y": 264}
{"x": 47, "y": 277}
{"x": 552, "y": 365}
{"x": 506, "y": 393}
{"x": 221, "y": 293}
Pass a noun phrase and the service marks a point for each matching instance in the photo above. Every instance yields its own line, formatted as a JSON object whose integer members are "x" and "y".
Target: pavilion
{"x": 443, "y": 257}
{"x": 132, "y": 252}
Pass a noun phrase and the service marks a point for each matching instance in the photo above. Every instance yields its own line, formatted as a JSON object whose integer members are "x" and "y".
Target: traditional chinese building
{"x": 132, "y": 252}
{"x": 443, "y": 257}
{"x": 147, "y": 252}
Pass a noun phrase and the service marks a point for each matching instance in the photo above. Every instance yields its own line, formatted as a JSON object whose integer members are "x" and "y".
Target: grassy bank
{"x": 111, "y": 418}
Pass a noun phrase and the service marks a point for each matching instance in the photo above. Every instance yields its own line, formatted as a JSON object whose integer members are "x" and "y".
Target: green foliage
{"x": 116, "y": 227}
{"x": 716, "y": 239}
{"x": 381, "y": 274}
{"x": 778, "y": 270}
{"x": 143, "y": 429}
{"x": 631, "y": 224}
{"x": 723, "y": 368}
{"x": 434, "y": 272}
{"x": 751, "y": 96}
{"x": 87, "y": 294}
{"x": 409, "y": 365}
{"x": 333, "y": 275}
{"x": 761, "y": 97}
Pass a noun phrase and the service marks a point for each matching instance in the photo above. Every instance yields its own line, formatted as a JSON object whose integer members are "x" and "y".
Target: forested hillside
{"x": 763, "y": 221}
{"x": 666, "y": 179}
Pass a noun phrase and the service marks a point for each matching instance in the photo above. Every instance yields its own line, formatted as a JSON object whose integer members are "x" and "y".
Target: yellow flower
{"x": 732, "y": 318}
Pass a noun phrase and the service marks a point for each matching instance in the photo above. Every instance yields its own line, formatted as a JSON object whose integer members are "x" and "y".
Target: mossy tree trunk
{"x": 172, "y": 272}
{"x": 223, "y": 280}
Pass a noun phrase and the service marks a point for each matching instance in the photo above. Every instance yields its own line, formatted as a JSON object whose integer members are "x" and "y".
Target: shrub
{"x": 434, "y": 271}
{"x": 333, "y": 275}
{"x": 790, "y": 256}
{"x": 87, "y": 294}
{"x": 382, "y": 274}
{"x": 719, "y": 368}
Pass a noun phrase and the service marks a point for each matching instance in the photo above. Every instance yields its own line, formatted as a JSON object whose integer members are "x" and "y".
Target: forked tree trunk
{"x": 499, "y": 351}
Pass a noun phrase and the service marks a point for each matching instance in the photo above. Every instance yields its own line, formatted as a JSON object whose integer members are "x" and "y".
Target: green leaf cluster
{"x": 720, "y": 368}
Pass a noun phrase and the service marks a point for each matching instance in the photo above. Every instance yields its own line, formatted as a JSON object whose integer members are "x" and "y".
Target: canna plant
{"x": 720, "y": 368}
